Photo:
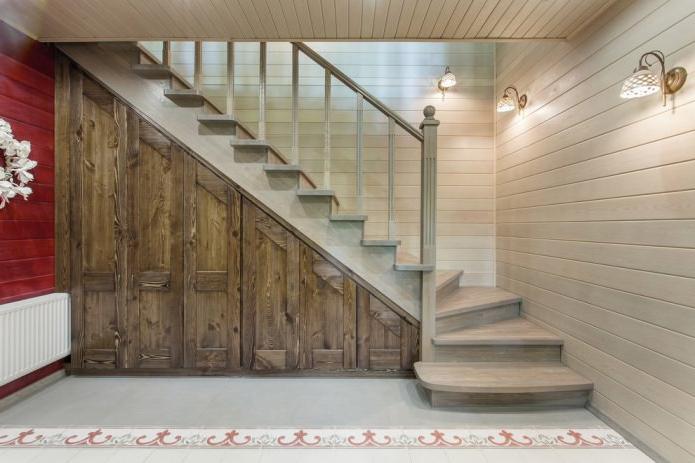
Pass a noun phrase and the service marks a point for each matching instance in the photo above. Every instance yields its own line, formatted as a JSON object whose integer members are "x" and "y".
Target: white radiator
{"x": 33, "y": 333}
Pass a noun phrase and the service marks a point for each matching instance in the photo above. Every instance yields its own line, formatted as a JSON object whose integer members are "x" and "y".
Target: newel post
{"x": 428, "y": 232}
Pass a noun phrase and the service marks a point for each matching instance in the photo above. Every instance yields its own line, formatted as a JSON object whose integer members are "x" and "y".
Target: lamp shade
{"x": 505, "y": 104}
{"x": 642, "y": 83}
{"x": 448, "y": 80}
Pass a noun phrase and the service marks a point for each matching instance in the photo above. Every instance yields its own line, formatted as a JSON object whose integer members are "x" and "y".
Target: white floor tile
{"x": 240, "y": 456}
{"x": 93, "y": 456}
{"x": 428, "y": 456}
{"x": 130, "y": 455}
{"x": 465, "y": 456}
{"x": 167, "y": 456}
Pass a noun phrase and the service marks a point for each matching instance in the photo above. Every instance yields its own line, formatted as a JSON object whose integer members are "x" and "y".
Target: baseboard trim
{"x": 651, "y": 453}
{"x": 31, "y": 389}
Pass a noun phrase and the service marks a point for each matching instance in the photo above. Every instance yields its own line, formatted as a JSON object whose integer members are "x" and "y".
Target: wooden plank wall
{"x": 172, "y": 270}
{"x": 404, "y": 76}
{"x": 596, "y": 215}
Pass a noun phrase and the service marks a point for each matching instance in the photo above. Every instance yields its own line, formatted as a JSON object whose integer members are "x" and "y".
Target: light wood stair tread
{"x": 249, "y": 142}
{"x": 217, "y": 119}
{"x": 152, "y": 70}
{"x": 499, "y": 377}
{"x": 282, "y": 168}
{"x": 471, "y": 298}
{"x": 315, "y": 192}
{"x": 348, "y": 218}
{"x": 446, "y": 278}
{"x": 381, "y": 242}
{"x": 403, "y": 267}
{"x": 515, "y": 331}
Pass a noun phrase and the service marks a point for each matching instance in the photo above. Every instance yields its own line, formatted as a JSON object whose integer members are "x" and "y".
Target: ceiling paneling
{"x": 97, "y": 20}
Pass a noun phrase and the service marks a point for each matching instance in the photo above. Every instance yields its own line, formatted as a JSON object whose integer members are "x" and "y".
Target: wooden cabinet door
{"x": 328, "y": 304}
{"x": 212, "y": 261}
{"x": 155, "y": 264}
{"x": 270, "y": 293}
{"x": 94, "y": 258}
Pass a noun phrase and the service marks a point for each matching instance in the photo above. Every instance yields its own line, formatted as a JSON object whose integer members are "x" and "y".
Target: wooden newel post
{"x": 428, "y": 232}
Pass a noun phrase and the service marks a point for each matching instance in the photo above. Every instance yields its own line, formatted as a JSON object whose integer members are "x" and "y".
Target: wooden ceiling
{"x": 98, "y": 20}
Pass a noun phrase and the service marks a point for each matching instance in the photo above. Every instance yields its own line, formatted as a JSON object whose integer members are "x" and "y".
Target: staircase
{"x": 477, "y": 350}
{"x": 486, "y": 354}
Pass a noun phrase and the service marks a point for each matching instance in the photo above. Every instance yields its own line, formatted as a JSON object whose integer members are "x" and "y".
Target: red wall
{"x": 26, "y": 227}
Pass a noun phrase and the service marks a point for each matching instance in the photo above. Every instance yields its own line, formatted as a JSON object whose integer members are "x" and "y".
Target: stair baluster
{"x": 197, "y": 65}
{"x": 261, "y": 91}
{"x": 230, "y": 78}
{"x": 359, "y": 154}
{"x": 166, "y": 53}
{"x": 295, "y": 104}
{"x": 391, "y": 197}
{"x": 327, "y": 130}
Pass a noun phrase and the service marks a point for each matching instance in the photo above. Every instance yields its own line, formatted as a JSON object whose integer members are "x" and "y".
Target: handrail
{"x": 374, "y": 101}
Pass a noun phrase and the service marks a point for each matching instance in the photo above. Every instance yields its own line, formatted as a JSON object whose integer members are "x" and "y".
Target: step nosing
{"x": 464, "y": 309}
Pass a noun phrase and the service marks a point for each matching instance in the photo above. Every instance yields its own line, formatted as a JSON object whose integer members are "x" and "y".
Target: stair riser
{"x": 479, "y": 317}
{"x": 448, "y": 288}
{"x": 283, "y": 180}
{"x": 227, "y": 130}
{"x": 498, "y": 353}
{"x": 250, "y": 155}
{"x": 559, "y": 399}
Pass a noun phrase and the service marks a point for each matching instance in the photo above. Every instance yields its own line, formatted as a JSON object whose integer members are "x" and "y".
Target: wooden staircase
{"x": 486, "y": 354}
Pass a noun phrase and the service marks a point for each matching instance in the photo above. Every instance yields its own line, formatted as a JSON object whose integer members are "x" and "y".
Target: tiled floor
{"x": 278, "y": 402}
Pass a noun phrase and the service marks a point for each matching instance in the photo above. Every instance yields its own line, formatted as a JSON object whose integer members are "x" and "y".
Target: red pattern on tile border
{"x": 311, "y": 438}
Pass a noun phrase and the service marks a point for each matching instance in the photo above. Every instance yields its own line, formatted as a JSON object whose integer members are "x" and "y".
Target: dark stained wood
{"x": 76, "y": 287}
{"x": 62, "y": 173}
{"x": 180, "y": 272}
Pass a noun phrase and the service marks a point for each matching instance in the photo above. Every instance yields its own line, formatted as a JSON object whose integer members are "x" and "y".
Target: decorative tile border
{"x": 109, "y": 437}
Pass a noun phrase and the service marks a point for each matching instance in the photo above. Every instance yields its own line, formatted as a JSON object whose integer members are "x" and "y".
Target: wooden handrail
{"x": 371, "y": 99}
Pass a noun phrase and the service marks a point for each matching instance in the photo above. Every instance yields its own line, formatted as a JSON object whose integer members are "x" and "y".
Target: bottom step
{"x": 475, "y": 384}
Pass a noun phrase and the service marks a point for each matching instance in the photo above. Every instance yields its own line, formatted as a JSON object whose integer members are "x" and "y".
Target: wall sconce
{"x": 509, "y": 102}
{"x": 644, "y": 82}
{"x": 447, "y": 81}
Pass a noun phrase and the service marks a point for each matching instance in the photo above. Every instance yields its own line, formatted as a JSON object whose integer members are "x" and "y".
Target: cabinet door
{"x": 328, "y": 311}
{"x": 94, "y": 259}
{"x": 155, "y": 264}
{"x": 270, "y": 293}
{"x": 212, "y": 230}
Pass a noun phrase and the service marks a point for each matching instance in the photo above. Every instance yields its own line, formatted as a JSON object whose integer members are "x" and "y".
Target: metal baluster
{"x": 261, "y": 91}
{"x": 295, "y": 104}
{"x": 359, "y": 154}
{"x": 391, "y": 197}
{"x": 198, "y": 65}
{"x": 327, "y": 131}
{"x": 230, "y": 78}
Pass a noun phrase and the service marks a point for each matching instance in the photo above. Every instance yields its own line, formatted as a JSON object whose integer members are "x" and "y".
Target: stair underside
{"x": 473, "y": 298}
{"x": 515, "y": 331}
{"x": 339, "y": 239}
{"x": 499, "y": 378}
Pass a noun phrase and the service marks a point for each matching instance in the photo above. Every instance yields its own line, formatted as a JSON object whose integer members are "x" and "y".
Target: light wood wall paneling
{"x": 594, "y": 224}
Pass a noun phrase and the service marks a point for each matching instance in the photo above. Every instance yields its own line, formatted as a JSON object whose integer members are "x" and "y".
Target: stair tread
{"x": 515, "y": 331}
{"x": 152, "y": 70}
{"x": 349, "y": 217}
{"x": 182, "y": 92}
{"x": 444, "y": 277}
{"x": 217, "y": 118}
{"x": 407, "y": 267}
{"x": 316, "y": 192}
{"x": 248, "y": 142}
{"x": 381, "y": 242}
{"x": 470, "y": 298}
{"x": 499, "y": 377}
{"x": 282, "y": 168}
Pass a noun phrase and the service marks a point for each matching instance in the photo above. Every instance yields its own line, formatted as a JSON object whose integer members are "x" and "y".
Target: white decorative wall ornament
{"x": 15, "y": 174}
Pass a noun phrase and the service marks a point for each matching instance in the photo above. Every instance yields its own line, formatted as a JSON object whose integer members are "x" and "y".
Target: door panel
{"x": 270, "y": 293}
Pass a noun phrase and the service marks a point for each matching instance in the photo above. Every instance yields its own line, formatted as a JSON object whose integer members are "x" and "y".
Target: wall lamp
{"x": 509, "y": 102}
{"x": 644, "y": 81}
{"x": 447, "y": 81}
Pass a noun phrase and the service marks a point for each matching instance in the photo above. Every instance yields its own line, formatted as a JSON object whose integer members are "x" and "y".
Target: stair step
{"x": 282, "y": 168}
{"x": 217, "y": 119}
{"x": 348, "y": 218}
{"x": 516, "y": 331}
{"x": 447, "y": 281}
{"x": 413, "y": 267}
{"x": 457, "y": 384}
{"x": 249, "y": 143}
{"x": 381, "y": 242}
{"x": 317, "y": 193}
{"x": 152, "y": 71}
{"x": 471, "y": 298}
{"x": 185, "y": 96}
